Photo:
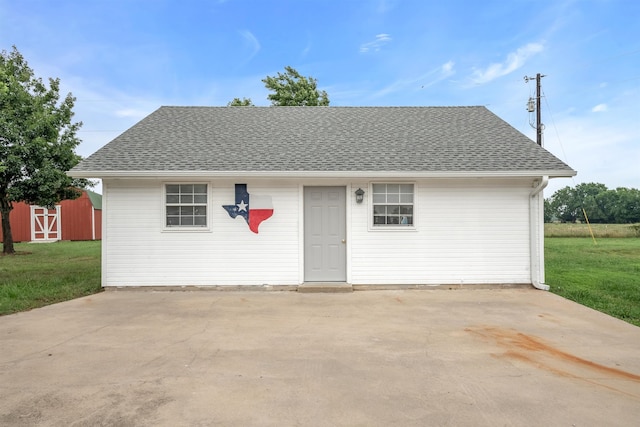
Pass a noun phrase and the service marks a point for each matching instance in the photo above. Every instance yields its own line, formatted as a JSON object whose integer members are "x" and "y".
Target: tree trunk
{"x": 7, "y": 238}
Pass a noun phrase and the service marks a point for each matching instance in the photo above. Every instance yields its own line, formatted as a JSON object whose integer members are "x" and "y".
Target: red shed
{"x": 78, "y": 219}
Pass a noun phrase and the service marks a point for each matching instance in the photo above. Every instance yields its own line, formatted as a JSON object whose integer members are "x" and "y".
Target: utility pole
{"x": 530, "y": 107}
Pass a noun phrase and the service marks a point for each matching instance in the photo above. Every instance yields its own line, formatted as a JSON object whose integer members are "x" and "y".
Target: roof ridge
{"x": 329, "y": 107}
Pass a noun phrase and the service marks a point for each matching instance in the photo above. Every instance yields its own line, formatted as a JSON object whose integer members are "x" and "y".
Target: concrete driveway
{"x": 380, "y": 358}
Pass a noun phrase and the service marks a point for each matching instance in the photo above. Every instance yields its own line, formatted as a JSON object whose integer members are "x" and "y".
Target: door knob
{"x": 344, "y": 240}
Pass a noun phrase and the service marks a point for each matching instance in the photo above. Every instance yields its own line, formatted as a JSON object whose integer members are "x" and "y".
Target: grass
{"x": 45, "y": 273}
{"x": 604, "y": 276}
{"x": 599, "y": 230}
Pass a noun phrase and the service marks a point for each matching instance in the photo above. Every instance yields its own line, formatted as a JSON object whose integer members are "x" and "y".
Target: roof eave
{"x": 159, "y": 174}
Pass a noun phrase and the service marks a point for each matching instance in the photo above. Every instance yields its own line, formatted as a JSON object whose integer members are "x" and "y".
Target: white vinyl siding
{"x": 139, "y": 252}
{"x": 470, "y": 232}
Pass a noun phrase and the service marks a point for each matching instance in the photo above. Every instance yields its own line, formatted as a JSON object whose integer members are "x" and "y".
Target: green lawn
{"x": 604, "y": 276}
{"x": 46, "y": 273}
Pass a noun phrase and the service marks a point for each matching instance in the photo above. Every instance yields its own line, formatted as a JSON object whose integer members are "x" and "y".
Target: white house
{"x": 279, "y": 197}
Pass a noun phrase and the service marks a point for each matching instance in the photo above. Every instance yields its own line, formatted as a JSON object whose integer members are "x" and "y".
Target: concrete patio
{"x": 508, "y": 357}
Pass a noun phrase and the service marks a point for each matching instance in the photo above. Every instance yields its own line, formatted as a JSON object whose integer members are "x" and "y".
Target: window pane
{"x": 379, "y": 188}
{"x": 186, "y": 205}
{"x": 406, "y": 210}
{"x": 393, "y": 220}
{"x": 393, "y": 188}
{"x": 379, "y": 210}
{"x": 406, "y": 198}
{"x": 406, "y": 220}
{"x": 393, "y": 204}
{"x": 393, "y": 198}
{"x": 200, "y": 188}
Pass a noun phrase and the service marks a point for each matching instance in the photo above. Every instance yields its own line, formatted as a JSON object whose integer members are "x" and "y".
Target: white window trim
{"x": 185, "y": 229}
{"x": 392, "y": 228}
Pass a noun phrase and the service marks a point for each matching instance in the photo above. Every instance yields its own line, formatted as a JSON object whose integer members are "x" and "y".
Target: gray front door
{"x": 325, "y": 249}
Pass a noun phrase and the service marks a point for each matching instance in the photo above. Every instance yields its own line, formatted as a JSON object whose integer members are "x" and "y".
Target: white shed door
{"x": 325, "y": 254}
{"x": 45, "y": 224}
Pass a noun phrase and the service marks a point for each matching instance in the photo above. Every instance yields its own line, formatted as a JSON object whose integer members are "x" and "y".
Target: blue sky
{"x": 123, "y": 59}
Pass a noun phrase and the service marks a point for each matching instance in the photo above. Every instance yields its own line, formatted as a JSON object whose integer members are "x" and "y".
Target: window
{"x": 392, "y": 205}
{"x": 186, "y": 205}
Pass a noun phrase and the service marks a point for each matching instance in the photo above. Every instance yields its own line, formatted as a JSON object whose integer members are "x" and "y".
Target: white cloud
{"x": 432, "y": 77}
{"x": 376, "y": 44}
{"x": 251, "y": 42}
{"x": 514, "y": 61}
{"x": 447, "y": 68}
{"x": 599, "y": 108}
{"x": 306, "y": 50}
{"x": 385, "y": 6}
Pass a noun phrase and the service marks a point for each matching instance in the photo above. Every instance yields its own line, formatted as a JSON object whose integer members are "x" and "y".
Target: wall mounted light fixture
{"x": 359, "y": 195}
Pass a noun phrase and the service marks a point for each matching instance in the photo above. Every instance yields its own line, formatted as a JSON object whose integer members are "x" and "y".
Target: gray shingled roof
{"x": 320, "y": 139}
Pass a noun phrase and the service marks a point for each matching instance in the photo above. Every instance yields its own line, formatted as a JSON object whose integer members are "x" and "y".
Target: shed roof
{"x": 95, "y": 198}
{"x": 174, "y": 141}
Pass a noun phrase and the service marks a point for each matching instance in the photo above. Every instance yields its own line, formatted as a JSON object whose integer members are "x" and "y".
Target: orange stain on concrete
{"x": 533, "y": 350}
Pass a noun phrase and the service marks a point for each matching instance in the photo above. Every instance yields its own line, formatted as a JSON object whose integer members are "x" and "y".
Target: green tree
{"x": 564, "y": 205}
{"x": 237, "y": 102}
{"x": 567, "y": 203}
{"x": 622, "y": 205}
{"x": 549, "y": 213}
{"x": 292, "y": 89}
{"x": 610, "y": 204}
{"x": 37, "y": 141}
{"x": 619, "y": 206}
